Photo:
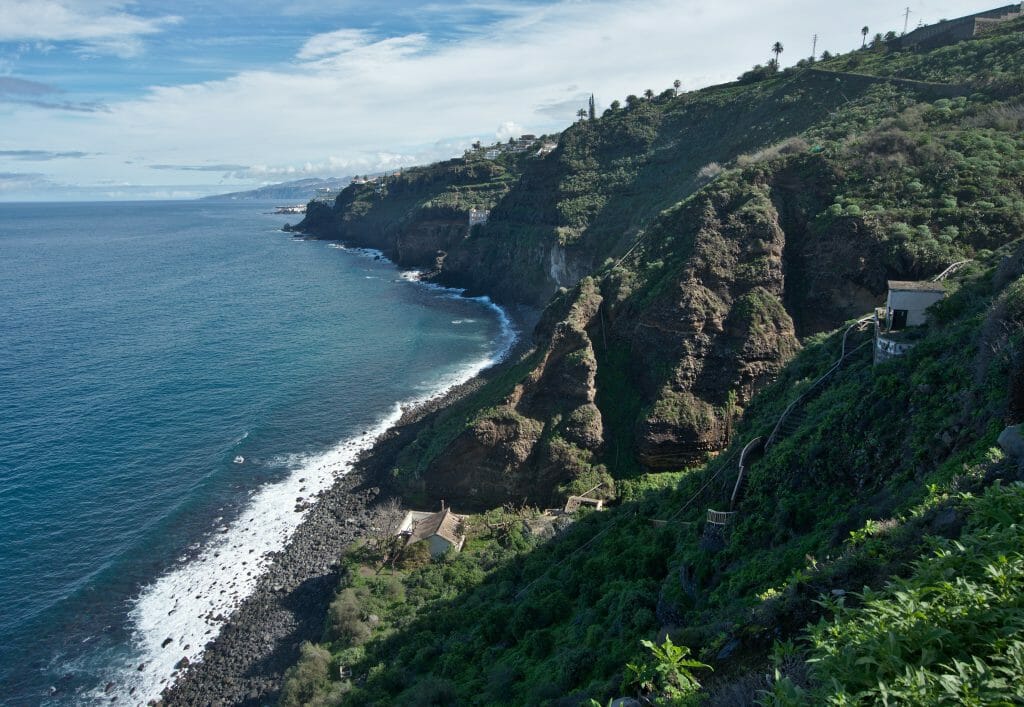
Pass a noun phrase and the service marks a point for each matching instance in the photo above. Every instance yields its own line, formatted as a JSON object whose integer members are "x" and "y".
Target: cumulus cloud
{"x": 104, "y": 26}
{"x": 508, "y": 129}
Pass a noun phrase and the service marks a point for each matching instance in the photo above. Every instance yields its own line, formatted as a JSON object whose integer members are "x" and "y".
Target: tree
{"x": 383, "y": 539}
{"x": 648, "y": 94}
{"x": 592, "y": 109}
{"x": 826, "y": 55}
{"x": 777, "y": 49}
{"x": 864, "y": 36}
{"x": 676, "y": 84}
{"x": 615, "y": 105}
{"x": 632, "y": 101}
{"x": 581, "y": 113}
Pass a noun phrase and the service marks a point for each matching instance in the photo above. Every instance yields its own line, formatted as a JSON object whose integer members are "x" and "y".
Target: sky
{"x": 110, "y": 100}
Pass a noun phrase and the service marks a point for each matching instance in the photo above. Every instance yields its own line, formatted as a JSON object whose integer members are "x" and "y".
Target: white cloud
{"x": 508, "y": 129}
{"x": 352, "y": 101}
{"x": 333, "y": 43}
{"x": 101, "y": 25}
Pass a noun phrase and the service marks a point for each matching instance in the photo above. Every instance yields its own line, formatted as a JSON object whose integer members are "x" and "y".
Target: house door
{"x": 899, "y": 319}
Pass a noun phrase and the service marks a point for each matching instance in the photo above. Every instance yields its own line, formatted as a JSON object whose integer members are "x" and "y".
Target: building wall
{"x": 914, "y": 302}
{"x": 955, "y": 30}
{"x": 438, "y": 545}
{"x": 885, "y": 349}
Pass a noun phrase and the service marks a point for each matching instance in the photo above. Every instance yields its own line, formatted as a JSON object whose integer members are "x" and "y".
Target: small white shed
{"x": 908, "y": 302}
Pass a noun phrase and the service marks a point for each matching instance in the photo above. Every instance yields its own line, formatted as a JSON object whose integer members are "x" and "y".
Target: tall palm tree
{"x": 676, "y": 84}
{"x": 777, "y": 49}
{"x": 864, "y": 36}
{"x": 648, "y": 94}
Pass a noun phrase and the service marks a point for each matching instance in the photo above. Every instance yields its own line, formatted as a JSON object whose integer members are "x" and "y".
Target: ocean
{"x": 173, "y": 376}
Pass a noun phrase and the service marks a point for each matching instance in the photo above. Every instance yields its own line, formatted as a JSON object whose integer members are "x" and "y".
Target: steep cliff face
{"x": 687, "y": 285}
{"x": 708, "y": 327}
{"x": 540, "y": 441}
{"x": 558, "y": 218}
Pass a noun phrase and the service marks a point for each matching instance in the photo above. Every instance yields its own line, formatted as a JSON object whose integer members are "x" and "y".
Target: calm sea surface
{"x": 172, "y": 376}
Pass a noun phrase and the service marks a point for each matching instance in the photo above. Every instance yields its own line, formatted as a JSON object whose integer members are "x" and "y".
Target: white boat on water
{"x": 296, "y": 209}
{"x": 239, "y": 459}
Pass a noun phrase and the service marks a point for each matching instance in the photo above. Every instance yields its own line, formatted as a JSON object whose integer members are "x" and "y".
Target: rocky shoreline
{"x": 244, "y": 665}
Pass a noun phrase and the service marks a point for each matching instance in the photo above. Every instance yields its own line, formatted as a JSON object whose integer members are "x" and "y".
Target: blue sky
{"x": 105, "y": 99}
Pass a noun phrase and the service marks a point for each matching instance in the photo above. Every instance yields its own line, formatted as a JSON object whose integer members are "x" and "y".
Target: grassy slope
{"x": 886, "y": 458}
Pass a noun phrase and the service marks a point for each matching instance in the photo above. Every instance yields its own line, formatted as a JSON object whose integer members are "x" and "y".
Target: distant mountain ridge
{"x": 299, "y": 190}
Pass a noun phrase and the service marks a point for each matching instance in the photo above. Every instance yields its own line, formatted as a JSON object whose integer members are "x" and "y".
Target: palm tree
{"x": 648, "y": 94}
{"x": 777, "y": 49}
{"x": 581, "y": 113}
{"x": 676, "y": 84}
{"x": 864, "y": 36}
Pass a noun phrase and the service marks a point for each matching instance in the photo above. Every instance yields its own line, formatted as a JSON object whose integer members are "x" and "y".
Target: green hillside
{"x": 706, "y": 255}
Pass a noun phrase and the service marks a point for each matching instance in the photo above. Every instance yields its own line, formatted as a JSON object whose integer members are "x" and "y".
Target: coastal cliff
{"x": 697, "y": 258}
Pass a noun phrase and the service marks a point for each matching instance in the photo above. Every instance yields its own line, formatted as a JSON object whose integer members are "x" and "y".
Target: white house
{"x": 442, "y": 530}
{"x": 908, "y": 302}
{"x": 905, "y": 307}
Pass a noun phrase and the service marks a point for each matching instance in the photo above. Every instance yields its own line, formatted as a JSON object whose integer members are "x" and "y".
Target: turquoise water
{"x": 144, "y": 348}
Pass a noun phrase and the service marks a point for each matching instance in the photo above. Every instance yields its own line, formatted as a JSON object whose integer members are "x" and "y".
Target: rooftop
{"x": 444, "y": 524}
{"x": 916, "y": 286}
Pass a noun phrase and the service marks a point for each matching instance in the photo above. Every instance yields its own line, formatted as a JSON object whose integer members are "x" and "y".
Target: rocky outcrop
{"x": 540, "y": 442}
{"x": 712, "y": 330}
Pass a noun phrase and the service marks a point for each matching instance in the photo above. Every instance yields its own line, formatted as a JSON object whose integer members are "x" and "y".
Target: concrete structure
{"x": 478, "y": 217}
{"x": 957, "y": 30}
{"x": 574, "y": 503}
{"x": 906, "y": 307}
{"x": 441, "y": 530}
{"x": 492, "y": 154}
{"x": 908, "y": 302}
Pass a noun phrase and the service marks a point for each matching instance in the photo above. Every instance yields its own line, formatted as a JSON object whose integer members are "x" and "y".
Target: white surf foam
{"x": 189, "y": 604}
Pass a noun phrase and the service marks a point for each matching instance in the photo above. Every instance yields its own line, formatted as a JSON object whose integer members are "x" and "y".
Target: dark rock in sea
{"x": 167, "y": 642}
{"x": 182, "y": 664}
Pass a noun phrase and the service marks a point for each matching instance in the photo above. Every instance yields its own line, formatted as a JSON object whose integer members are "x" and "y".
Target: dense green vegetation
{"x": 876, "y": 551}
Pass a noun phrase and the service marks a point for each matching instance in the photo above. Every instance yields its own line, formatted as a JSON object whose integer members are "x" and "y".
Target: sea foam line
{"x": 190, "y": 603}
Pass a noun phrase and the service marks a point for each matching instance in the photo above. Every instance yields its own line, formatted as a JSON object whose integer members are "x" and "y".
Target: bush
{"x": 952, "y": 632}
{"x": 307, "y": 678}
{"x": 710, "y": 171}
{"x": 344, "y": 619}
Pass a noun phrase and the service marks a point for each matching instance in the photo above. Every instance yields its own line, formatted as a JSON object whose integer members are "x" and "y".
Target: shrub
{"x": 951, "y": 632}
{"x": 710, "y": 171}
{"x": 344, "y": 619}
{"x": 308, "y": 677}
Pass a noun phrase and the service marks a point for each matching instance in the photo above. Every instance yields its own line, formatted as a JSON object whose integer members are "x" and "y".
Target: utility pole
{"x": 814, "y": 47}
{"x": 906, "y": 19}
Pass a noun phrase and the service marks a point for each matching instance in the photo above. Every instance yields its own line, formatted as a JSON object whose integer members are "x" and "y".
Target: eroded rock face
{"x": 545, "y": 433}
{"x": 717, "y": 328}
